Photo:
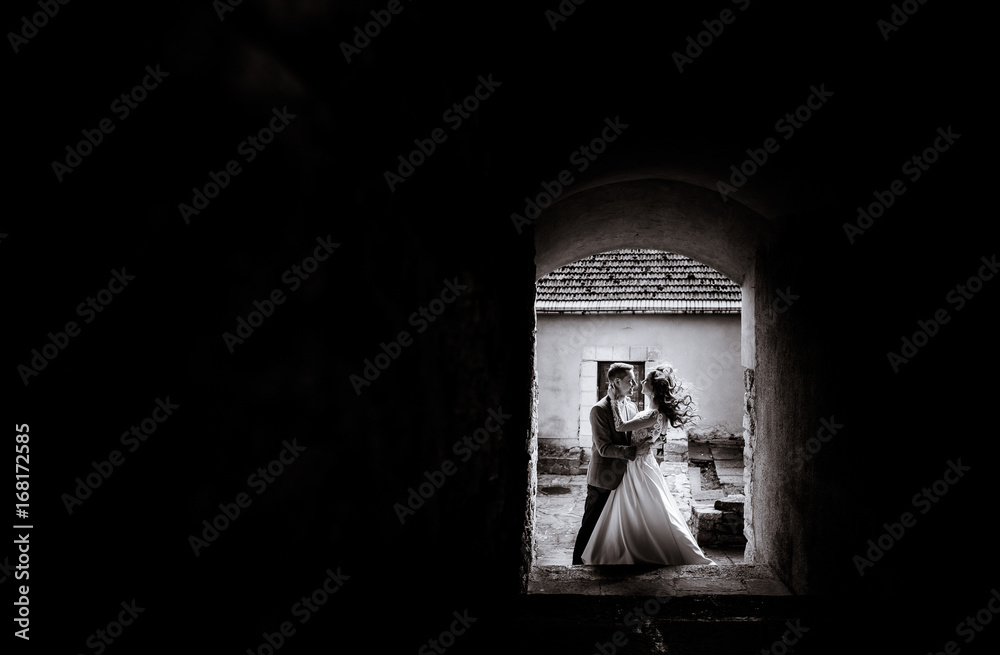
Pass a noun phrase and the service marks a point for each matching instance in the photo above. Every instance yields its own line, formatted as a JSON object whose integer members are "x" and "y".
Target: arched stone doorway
{"x": 690, "y": 220}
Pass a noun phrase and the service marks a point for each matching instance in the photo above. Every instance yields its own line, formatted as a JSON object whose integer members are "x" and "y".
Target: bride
{"x": 641, "y": 523}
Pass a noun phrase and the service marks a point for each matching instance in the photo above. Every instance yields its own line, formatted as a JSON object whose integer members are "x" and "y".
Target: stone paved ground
{"x": 558, "y": 515}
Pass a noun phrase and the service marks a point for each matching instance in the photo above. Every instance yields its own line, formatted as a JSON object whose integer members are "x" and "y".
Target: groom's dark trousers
{"x": 597, "y": 498}
{"x": 608, "y": 461}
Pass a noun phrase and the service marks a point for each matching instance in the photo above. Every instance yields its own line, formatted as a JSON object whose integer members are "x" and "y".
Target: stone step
{"x": 699, "y": 452}
{"x": 729, "y": 473}
{"x": 718, "y": 618}
{"x": 707, "y": 511}
{"x": 732, "y": 503}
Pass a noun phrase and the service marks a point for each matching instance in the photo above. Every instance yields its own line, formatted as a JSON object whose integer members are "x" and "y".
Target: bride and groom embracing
{"x": 630, "y": 517}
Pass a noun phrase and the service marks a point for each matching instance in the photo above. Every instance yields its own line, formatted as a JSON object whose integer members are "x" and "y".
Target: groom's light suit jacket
{"x": 611, "y": 451}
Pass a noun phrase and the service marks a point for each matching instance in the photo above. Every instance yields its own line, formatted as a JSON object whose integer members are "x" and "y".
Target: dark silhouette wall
{"x": 443, "y": 239}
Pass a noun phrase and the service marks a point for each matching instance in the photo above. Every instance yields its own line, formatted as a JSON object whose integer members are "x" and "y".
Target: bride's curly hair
{"x": 672, "y": 397}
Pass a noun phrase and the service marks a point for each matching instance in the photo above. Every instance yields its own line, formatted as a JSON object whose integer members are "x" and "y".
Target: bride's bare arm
{"x": 642, "y": 420}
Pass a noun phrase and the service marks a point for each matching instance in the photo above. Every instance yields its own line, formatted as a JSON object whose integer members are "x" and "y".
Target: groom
{"x": 610, "y": 451}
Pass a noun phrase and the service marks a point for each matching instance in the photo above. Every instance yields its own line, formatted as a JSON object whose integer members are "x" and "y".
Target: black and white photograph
{"x": 555, "y": 327}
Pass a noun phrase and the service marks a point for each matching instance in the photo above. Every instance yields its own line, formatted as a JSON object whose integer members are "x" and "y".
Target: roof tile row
{"x": 637, "y": 280}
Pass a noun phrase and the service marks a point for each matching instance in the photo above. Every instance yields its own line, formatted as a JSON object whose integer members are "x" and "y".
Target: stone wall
{"x": 749, "y": 440}
{"x": 704, "y": 349}
{"x": 720, "y": 524}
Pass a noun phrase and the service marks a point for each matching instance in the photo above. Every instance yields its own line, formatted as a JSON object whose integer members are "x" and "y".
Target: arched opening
{"x": 641, "y": 307}
{"x": 692, "y": 221}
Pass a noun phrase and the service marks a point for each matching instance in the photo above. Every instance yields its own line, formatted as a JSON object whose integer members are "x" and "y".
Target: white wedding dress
{"x": 641, "y": 523}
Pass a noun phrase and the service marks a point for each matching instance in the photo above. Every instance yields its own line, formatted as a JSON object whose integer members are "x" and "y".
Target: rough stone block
{"x": 707, "y": 433}
{"x": 732, "y": 503}
{"x": 675, "y": 452}
{"x": 557, "y": 447}
{"x": 559, "y": 465}
{"x": 706, "y": 518}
